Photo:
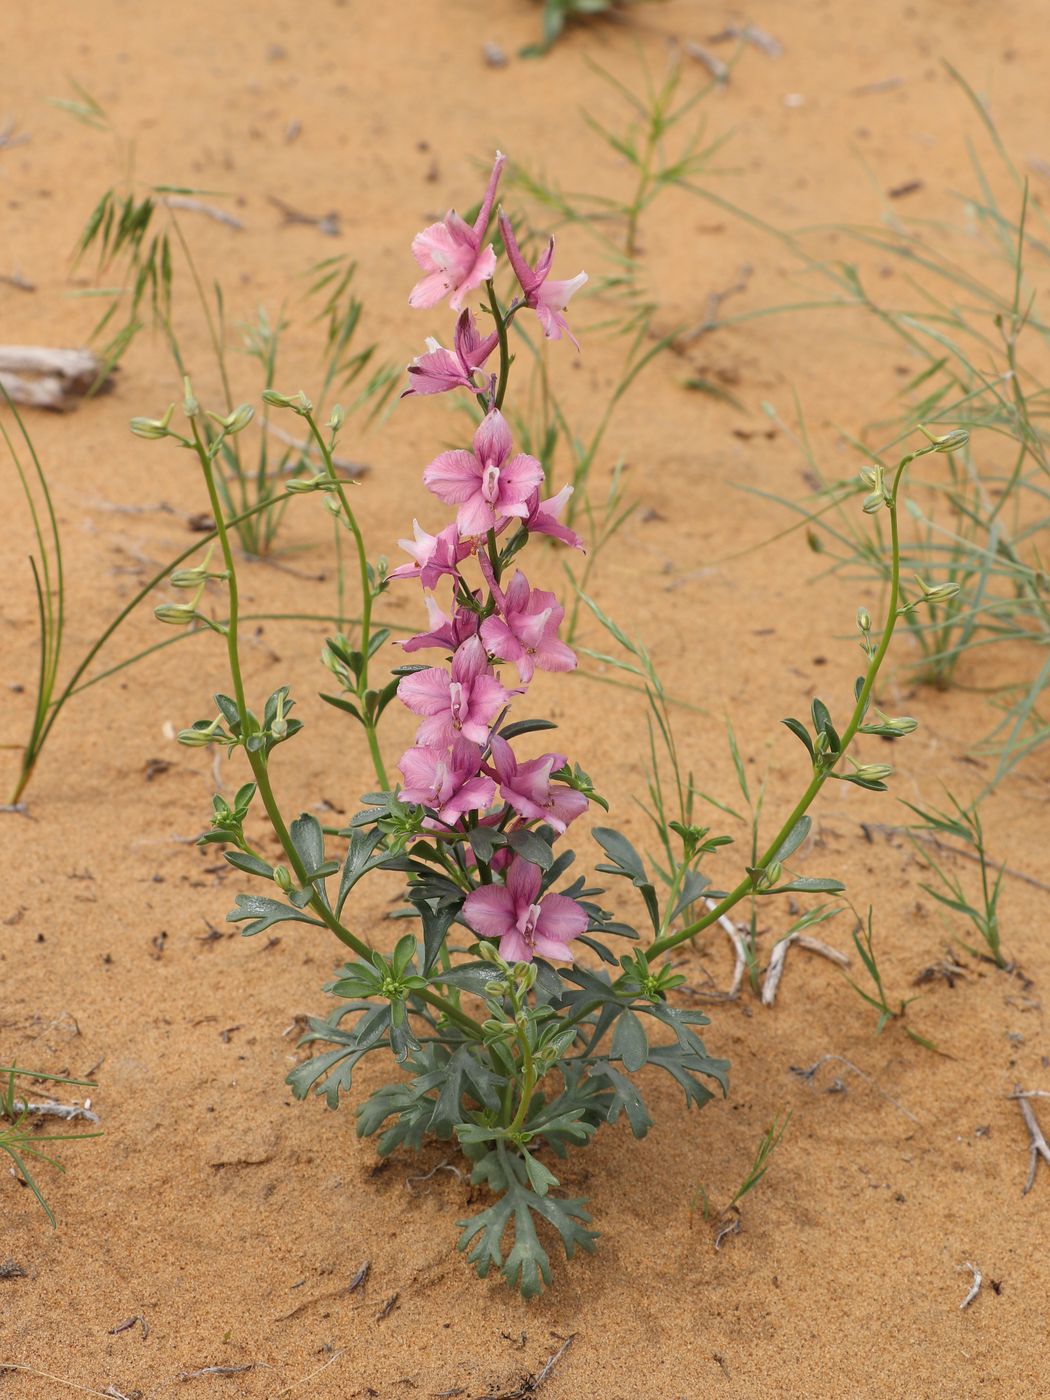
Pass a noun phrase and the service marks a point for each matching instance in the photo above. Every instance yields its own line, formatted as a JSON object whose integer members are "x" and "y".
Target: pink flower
{"x": 542, "y": 518}
{"x": 450, "y": 783}
{"x": 523, "y": 925}
{"x": 487, "y": 483}
{"x": 451, "y": 255}
{"x": 526, "y": 629}
{"x": 434, "y": 555}
{"x": 446, "y": 632}
{"x": 528, "y": 788}
{"x": 441, "y": 369}
{"x": 547, "y": 297}
{"x": 460, "y": 705}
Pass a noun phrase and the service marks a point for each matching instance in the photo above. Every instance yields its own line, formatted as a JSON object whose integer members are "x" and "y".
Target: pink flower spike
{"x": 527, "y": 787}
{"x": 524, "y": 925}
{"x": 485, "y": 484}
{"x": 445, "y": 632}
{"x": 527, "y": 631}
{"x": 547, "y": 297}
{"x": 451, "y": 255}
{"x": 449, "y": 783}
{"x": 440, "y": 370}
{"x": 434, "y": 555}
{"x": 460, "y": 705}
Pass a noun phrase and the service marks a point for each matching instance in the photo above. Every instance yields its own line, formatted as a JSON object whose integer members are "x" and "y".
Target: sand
{"x": 232, "y": 1218}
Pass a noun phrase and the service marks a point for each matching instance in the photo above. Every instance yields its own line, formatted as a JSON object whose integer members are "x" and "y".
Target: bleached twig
{"x": 411, "y": 1181}
{"x": 714, "y": 65}
{"x": 65, "y": 1111}
{"x": 309, "y": 449}
{"x": 808, "y": 1074}
{"x": 775, "y": 970}
{"x": 41, "y": 376}
{"x": 739, "y": 946}
{"x": 197, "y": 206}
{"x": 975, "y": 1287}
{"x": 1039, "y": 1147}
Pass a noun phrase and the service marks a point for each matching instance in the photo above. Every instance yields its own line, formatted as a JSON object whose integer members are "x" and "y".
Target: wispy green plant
{"x": 18, "y": 1139}
{"x": 963, "y": 824}
{"x": 874, "y": 994}
{"x": 980, "y": 348}
{"x": 768, "y": 1144}
{"x": 135, "y": 235}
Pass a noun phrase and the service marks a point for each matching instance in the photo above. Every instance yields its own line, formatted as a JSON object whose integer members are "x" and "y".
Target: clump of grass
{"x": 18, "y": 1140}
{"x": 874, "y": 994}
{"x": 963, "y": 824}
{"x": 767, "y": 1145}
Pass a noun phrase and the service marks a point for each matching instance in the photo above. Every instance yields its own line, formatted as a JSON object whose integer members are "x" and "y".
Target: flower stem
{"x": 746, "y": 886}
{"x": 258, "y": 763}
{"x": 504, "y": 352}
{"x": 367, "y": 598}
{"x": 528, "y": 1084}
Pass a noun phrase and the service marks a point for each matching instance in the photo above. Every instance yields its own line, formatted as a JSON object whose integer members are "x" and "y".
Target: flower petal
{"x": 561, "y": 918}
{"x": 425, "y": 692}
{"x": 453, "y": 476}
{"x": 492, "y": 441}
{"x": 523, "y": 882}
{"x": 490, "y": 911}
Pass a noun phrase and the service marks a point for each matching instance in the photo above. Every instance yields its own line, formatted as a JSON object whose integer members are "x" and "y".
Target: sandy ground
{"x": 230, "y": 1217}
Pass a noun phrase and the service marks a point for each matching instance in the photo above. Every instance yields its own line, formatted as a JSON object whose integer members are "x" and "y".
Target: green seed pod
{"x": 177, "y": 614}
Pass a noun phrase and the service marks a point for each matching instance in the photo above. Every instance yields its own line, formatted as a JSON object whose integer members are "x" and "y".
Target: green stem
{"x": 528, "y": 1084}
{"x": 367, "y": 598}
{"x": 504, "y": 354}
{"x": 746, "y": 886}
{"x": 257, "y": 760}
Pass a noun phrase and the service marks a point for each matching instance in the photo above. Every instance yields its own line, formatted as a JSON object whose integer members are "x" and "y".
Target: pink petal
{"x": 503, "y": 760}
{"x": 473, "y": 796}
{"x": 481, "y": 271}
{"x": 425, "y": 692}
{"x": 482, "y": 221}
{"x": 418, "y": 767}
{"x": 490, "y": 911}
{"x": 566, "y": 805}
{"x": 523, "y": 882}
{"x": 475, "y": 516}
{"x": 525, "y": 275}
{"x": 437, "y": 731}
{"x": 554, "y": 655}
{"x": 517, "y": 595}
{"x": 560, "y": 918}
{"x": 499, "y": 639}
{"x": 513, "y": 948}
{"x": 550, "y": 948}
{"x": 428, "y": 291}
{"x": 470, "y": 661}
{"x": 453, "y": 476}
{"x": 492, "y": 441}
{"x": 557, "y": 294}
{"x": 518, "y": 478}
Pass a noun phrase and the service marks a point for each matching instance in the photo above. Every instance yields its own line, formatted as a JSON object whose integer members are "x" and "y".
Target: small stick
{"x": 975, "y": 1287}
{"x": 1030, "y": 1094}
{"x": 808, "y": 1074}
{"x": 714, "y": 65}
{"x": 388, "y": 1307}
{"x": 216, "y": 1371}
{"x": 731, "y": 1227}
{"x": 197, "y": 206}
{"x": 55, "y": 1110}
{"x": 779, "y": 956}
{"x": 552, "y": 1361}
{"x": 309, "y": 449}
{"x": 296, "y": 1384}
{"x": 1039, "y": 1144}
{"x": 326, "y": 223}
{"x": 441, "y": 1167}
{"x": 739, "y": 946}
{"x": 49, "y": 1376}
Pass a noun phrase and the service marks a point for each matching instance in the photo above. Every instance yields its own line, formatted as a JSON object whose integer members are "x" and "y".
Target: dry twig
{"x": 779, "y": 956}
{"x": 975, "y": 1287}
{"x": 197, "y": 206}
{"x": 1039, "y": 1147}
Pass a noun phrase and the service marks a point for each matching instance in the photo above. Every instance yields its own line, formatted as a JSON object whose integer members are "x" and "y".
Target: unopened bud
{"x": 190, "y": 406}
{"x": 279, "y": 728}
{"x": 951, "y": 442}
{"x": 282, "y": 879}
{"x": 937, "y": 592}
{"x": 338, "y": 418}
{"x": 298, "y": 403}
{"x": 177, "y": 614}
{"x": 239, "y": 419}
{"x": 189, "y": 578}
{"x": 873, "y": 772}
{"x": 199, "y": 738}
{"x": 873, "y": 504}
{"x": 488, "y": 952}
{"x": 864, "y": 619}
{"x": 152, "y": 427}
{"x": 902, "y": 725}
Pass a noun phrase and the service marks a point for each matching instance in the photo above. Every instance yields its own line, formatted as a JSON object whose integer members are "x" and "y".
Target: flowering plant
{"x": 507, "y": 1043}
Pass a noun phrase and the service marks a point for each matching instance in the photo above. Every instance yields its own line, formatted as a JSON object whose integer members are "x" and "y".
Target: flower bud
{"x": 488, "y": 952}
{"x": 953, "y": 441}
{"x": 199, "y": 738}
{"x": 282, "y": 879}
{"x": 902, "y": 725}
{"x": 337, "y": 418}
{"x": 864, "y": 619}
{"x": 279, "y": 728}
{"x": 332, "y": 506}
{"x": 152, "y": 427}
{"x": 873, "y": 772}
{"x": 873, "y": 504}
{"x": 189, "y": 578}
{"x": 190, "y": 406}
{"x": 298, "y": 403}
{"x": 937, "y": 592}
{"x": 239, "y": 419}
{"x": 177, "y": 614}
